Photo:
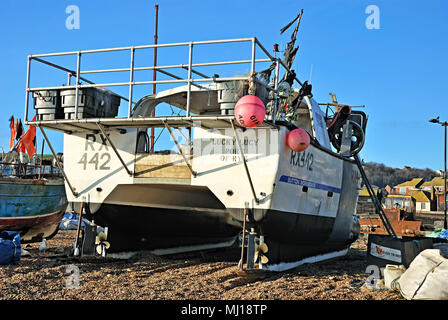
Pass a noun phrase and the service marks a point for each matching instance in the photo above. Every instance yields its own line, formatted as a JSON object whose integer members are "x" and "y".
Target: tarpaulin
{"x": 9, "y": 247}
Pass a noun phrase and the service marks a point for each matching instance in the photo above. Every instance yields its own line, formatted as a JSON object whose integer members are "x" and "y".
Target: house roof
{"x": 416, "y": 182}
{"x": 364, "y": 193}
{"x": 437, "y": 181}
{"x": 398, "y": 196}
{"x": 419, "y": 196}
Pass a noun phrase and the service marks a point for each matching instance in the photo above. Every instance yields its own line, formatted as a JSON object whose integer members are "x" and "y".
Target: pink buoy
{"x": 298, "y": 140}
{"x": 250, "y": 111}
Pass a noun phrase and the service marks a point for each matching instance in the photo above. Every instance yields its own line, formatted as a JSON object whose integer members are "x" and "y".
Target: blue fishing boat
{"x": 31, "y": 204}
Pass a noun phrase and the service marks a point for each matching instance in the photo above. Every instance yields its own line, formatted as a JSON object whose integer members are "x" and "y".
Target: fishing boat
{"x": 284, "y": 180}
{"x": 32, "y": 200}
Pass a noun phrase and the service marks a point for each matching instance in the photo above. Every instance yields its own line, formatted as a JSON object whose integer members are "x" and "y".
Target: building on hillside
{"x": 424, "y": 202}
{"x": 440, "y": 201}
{"x": 437, "y": 183}
{"x": 405, "y": 187}
{"x": 389, "y": 189}
{"x": 365, "y": 205}
{"x": 436, "y": 187}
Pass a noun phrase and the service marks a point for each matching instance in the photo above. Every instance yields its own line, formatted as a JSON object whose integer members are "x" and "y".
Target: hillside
{"x": 380, "y": 175}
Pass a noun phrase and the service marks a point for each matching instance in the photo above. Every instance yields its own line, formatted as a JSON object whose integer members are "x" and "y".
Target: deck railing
{"x": 28, "y": 170}
{"x": 190, "y": 80}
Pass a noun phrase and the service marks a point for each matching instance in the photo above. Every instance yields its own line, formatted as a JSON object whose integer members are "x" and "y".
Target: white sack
{"x": 426, "y": 278}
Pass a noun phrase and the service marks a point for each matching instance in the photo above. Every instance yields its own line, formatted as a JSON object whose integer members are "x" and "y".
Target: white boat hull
{"x": 306, "y": 201}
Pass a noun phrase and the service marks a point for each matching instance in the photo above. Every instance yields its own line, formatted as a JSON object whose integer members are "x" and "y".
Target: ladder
{"x": 378, "y": 208}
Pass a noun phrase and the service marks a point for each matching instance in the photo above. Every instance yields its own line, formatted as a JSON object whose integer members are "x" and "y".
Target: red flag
{"x": 19, "y": 135}
{"x": 29, "y": 140}
{"x": 13, "y": 132}
{"x": 21, "y": 147}
{"x": 11, "y": 122}
{"x": 19, "y": 129}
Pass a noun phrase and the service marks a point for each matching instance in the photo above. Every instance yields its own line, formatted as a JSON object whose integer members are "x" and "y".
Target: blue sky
{"x": 398, "y": 71}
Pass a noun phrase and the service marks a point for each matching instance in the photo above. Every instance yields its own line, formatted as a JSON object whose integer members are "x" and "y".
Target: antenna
{"x": 311, "y": 73}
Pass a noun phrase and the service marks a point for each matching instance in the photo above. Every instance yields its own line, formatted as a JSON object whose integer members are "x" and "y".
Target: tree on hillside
{"x": 381, "y": 175}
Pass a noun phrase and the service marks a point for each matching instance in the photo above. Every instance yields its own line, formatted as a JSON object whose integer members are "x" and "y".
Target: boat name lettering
{"x": 245, "y": 141}
{"x": 91, "y": 139}
{"x": 302, "y": 159}
{"x": 99, "y": 160}
{"x": 230, "y": 155}
{"x": 232, "y": 158}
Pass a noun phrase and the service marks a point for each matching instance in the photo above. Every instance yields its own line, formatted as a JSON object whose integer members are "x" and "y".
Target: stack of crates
{"x": 60, "y": 104}
{"x": 48, "y": 105}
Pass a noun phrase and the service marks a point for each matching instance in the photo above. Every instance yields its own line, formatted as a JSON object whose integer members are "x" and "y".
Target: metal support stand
{"x": 277, "y": 70}
{"x": 243, "y": 241}
{"x": 260, "y": 263}
{"x": 27, "y": 97}
{"x": 113, "y": 148}
{"x": 378, "y": 208}
{"x": 443, "y": 124}
{"x": 244, "y": 163}
{"x": 190, "y": 62}
{"x": 58, "y": 163}
{"x": 194, "y": 173}
{"x": 445, "y": 224}
{"x": 88, "y": 246}
{"x": 250, "y": 250}
{"x": 78, "y": 69}
{"x": 76, "y": 251}
{"x": 106, "y": 232}
{"x": 131, "y": 80}
{"x": 41, "y": 159}
{"x": 250, "y": 271}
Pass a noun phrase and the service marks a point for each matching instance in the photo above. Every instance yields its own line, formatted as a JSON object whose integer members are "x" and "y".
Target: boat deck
{"x": 91, "y": 124}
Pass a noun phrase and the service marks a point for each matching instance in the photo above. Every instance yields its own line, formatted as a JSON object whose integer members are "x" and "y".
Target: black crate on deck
{"x": 92, "y": 103}
{"x": 109, "y": 104}
{"x": 382, "y": 250}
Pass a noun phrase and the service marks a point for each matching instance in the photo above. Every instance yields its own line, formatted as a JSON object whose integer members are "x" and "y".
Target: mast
{"x": 154, "y": 75}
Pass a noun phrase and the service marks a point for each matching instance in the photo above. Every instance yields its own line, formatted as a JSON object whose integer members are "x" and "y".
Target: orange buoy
{"x": 250, "y": 111}
{"x": 298, "y": 140}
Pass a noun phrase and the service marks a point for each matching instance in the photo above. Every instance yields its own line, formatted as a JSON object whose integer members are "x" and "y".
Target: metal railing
{"x": 28, "y": 170}
{"x": 132, "y": 69}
